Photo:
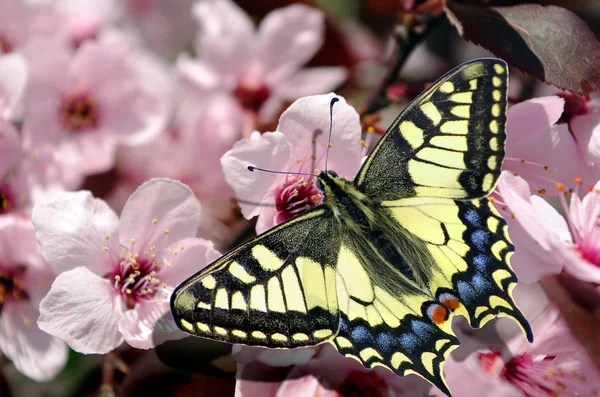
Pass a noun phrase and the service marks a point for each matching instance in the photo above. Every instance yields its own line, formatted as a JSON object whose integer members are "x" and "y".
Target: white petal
{"x": 72, "y": 228}
{"x": 226, "y": 37}
{"x": 35, "y": 353}
{"x": 270, "y": 151}
{"x": 148, "y": 325}
{"x": 311, "y": 81}
{"x": 185, "y": 258}
{"x": 157, "y": 213}
{"x": 309, "y": 118}
{"x": 84, "y": 310}
{"x": 13, "y": 77}
{"x": 287, "y": 39}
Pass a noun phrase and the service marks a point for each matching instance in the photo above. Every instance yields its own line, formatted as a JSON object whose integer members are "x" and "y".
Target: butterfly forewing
{"x": 449, "y": 142}
{"x": 277, "y": 290}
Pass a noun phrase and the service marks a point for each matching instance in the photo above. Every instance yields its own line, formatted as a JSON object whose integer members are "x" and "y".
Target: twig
{"x": 408, "y": 36}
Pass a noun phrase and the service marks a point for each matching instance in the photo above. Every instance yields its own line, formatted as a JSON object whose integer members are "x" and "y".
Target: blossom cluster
{"x": 172, "y": 103}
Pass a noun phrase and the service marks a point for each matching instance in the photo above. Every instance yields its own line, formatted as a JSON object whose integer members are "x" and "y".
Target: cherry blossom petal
{"x": 48, "y": 60}
{"x": 226, "y": 38}
{"x": 183, "y": 263}
{"x": 10, "y": 147}
{"x": 197, "y": 73}
{"x": 287, "y": 38}
{"x": 35, "y": 353}
{"x": 159, "y": 211}
{"x": 304, "y": 386}
{"x": 270, "y": 151}
{"x": 149, "y": 325}
{"x": 72, "y": 229}
{"x": 84, "y": 310}
{"x": 310, "y": 81}
{"x": 91, "y": 153}
{"x": 309, "y": 118}
{"x": 13, "y": 77}
{"x": 539, "y": 220}
{"x": 528, "y": 119}
{"x": 586, "y": 130}
{"x": 559, "y": 141}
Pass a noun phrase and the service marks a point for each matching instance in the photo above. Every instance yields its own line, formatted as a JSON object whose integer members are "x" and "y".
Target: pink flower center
{"x": 11, "y": 285}
{"x": 575, "y": 105}
{"x": 5, "y": 45}
{"x": 537, "y": 377}
{"x": 79, "y": 112}
{"x": 6, "y": 199}
{"x": 135, "y": 278}
{"x": 296, "y": 196}
{"x": 363, "y": 384}
{"x": 251, "y": 95}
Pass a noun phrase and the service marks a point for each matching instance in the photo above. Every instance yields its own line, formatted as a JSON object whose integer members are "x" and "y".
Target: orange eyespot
{"x": 451, "y": 303}
{"x": 438, "y": 314}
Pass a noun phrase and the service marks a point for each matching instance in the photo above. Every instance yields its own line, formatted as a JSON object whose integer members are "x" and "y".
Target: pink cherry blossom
{"x": 555, "y": 243}
{"x": 21, "y": 20}
{"x": 262, "y": 67}
{"x": 532, "y": 134}
{"x": 24, "y": 280}
{"x": 554, "y": 365}
{"x": 275, "y": 198}
{"x": 84, "y": 103}
{"x": 116, "y": 276}
{"x": 201, "y": 130}
{"x": 166, "y": 27}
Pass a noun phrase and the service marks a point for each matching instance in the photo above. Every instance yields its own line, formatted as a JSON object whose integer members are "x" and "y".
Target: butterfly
{"x": 384, "y": 263}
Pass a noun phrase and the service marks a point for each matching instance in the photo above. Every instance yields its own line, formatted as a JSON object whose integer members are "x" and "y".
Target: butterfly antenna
{"x": 333, "y": 100}
{"x": 252, "y": 168}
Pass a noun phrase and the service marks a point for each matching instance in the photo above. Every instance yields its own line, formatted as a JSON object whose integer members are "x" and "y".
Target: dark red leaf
{"x": 549, "y": 42}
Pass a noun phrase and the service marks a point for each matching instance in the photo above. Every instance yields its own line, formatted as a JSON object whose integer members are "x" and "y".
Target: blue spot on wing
{"x": 465, "y": 291}
{"x": 385, "y": 341}
{"x": 409, "y": 341}
{"x": 480, "y": 238}
{"x": 480, "y": 283}
{"x": 481, "y": 262}
{"x": 421, "y": 328}
{"x": 361, "y": 334}
{"x": 343, "y": 325}
{"x": 473, "y": 218}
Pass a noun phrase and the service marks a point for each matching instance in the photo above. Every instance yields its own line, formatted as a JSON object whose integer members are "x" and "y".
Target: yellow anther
{"x": 132, "y": 241}
{"x": 105, "y": 249}
{"x": 154, "y": 221}
{"x": 166, "y": 231}
{"x": 107, "y": 237}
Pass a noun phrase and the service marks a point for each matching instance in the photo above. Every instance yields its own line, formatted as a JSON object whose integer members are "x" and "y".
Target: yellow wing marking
{"x": 240, "y": 273}
{"x": 313, "y": 282}
{"x": 354, "y": 276}
{"x": 238, "y": 301}
{"x": 293, "y": 294}
{"x": 432, "y": 112}
{"x": 413, "y": 134}
{"x": 258, "y": 298}
{"x": 456, "y": 127}
{"x": 268, "y": 260}
{"x": 222, "y": 299}
{"x": 275, "y": 296}
{"x": 425, "y": 174}
{"x": 443, "y": 157}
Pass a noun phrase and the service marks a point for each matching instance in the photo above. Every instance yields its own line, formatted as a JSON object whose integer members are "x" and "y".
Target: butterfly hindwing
{"x": 276, "y": 290}
{"x": 394, "y": 329}
{"x": 449, "y": 142}
{"x": 468, "y": 242}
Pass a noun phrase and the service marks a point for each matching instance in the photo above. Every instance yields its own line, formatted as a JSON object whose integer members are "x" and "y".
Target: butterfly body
{"x": 384, "y": 263}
